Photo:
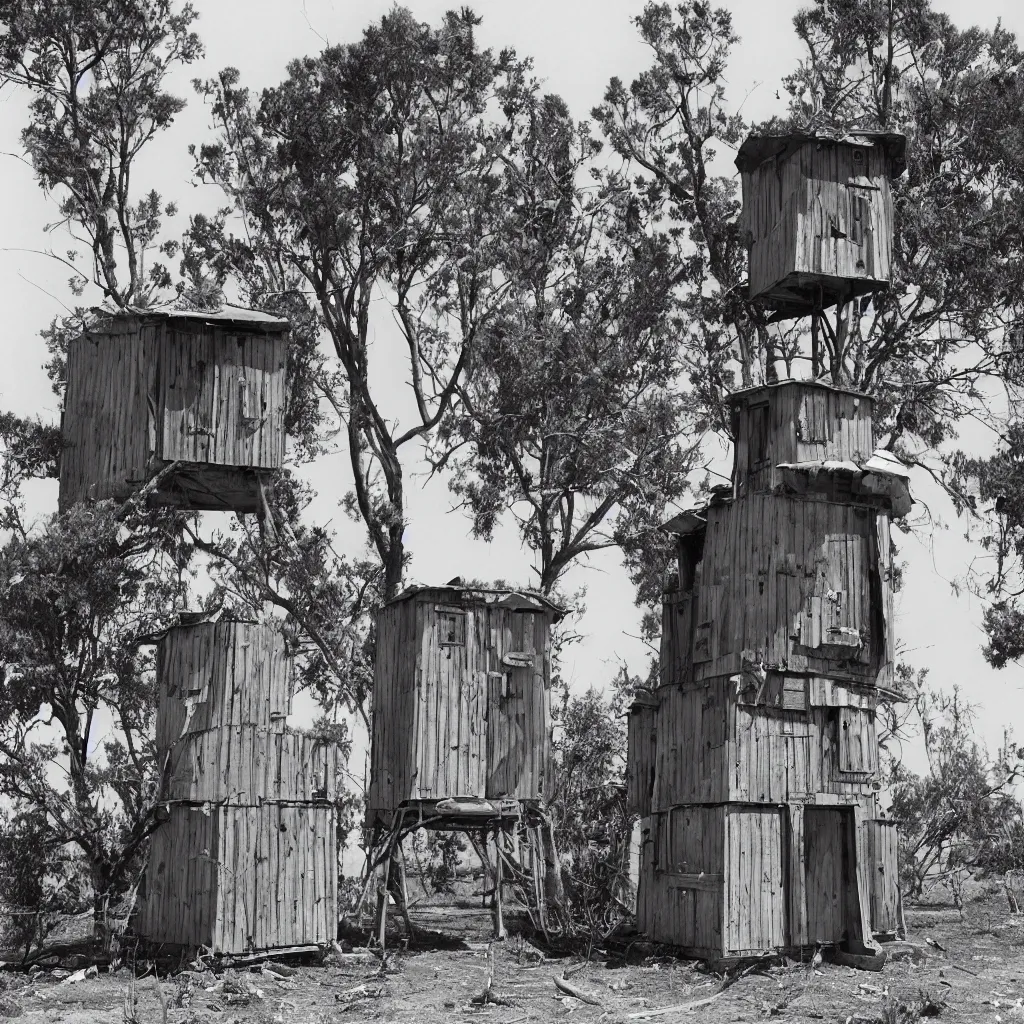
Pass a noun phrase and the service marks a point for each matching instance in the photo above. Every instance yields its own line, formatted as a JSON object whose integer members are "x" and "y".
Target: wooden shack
{"x": 761, "y": 819}
{"x": 461, "y": 730}
{"x": 462, "y": 699}
{"x": 818, "y": 216}
{"x": 246, "y": 859}
{"x": 188, "y": 404}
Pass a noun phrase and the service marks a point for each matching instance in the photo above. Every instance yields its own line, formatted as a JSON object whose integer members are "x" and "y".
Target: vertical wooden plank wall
{"x": 641, "y": 754}
{"x": 220, "y": 395}
{"x": 247, "y": 859}
{"x": 105, "y": 421}
{"x": 815, "y": 211}
{"x": 791, "y": 581}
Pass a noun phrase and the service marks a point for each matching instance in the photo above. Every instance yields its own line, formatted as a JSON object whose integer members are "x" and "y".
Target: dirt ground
{"x": 978, "y": 975}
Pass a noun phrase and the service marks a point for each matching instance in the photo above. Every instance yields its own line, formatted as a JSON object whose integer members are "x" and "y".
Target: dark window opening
{"x": 757, "y": 435}
{"x": 691, "y": 551}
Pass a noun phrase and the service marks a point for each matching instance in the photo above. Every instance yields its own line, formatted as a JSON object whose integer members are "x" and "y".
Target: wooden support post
{"x": 815, "y": 346}
{"x": 868, "y": 942}
{"x": 499, "y": 921}
{"x": 381, "y": 919}
{"x": 400, "y": 888}
{"x": 842, "y": 331}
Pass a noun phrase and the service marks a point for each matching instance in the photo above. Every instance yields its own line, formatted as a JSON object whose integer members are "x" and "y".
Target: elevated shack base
{"x": 203, "y": 487}
{"x": 526, "y": 861}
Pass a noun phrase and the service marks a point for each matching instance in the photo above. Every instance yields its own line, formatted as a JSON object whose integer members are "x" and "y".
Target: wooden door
{"x": 516, "y": 726}
{"x": 452, "y": 706}
{"x": 756, "y": 899}
{"x": 882, "y": 855}
{"x": 830, "y": 880}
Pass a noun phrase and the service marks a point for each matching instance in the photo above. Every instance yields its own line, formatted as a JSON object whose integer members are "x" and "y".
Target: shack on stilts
{"x": 818, "y": 219}
{"x": 461, "y": 736}
{"x": 184, "y": 406}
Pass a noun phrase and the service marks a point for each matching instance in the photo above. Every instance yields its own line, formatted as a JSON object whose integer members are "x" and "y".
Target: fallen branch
{"x": 489, "y": 996}
{"x": 572, "y": 990}
{"x": 973, "y": 974}
{"x": 678, "y": 1008}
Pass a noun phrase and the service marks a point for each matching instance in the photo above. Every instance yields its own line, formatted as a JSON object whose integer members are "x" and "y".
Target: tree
{"x": 568, "y": 417}
{"x": 81, "y": 602}
{"x": 95, "y": 72}
{"x": 588, "y": 804}
{"x": 999, "y": 481}
{"x": 368, "y": 173}
{"x": 961, "y": 817}
{"x": 668, "y": 126}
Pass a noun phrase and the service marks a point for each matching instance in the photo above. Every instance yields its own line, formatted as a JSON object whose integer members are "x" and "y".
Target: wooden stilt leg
{"x": 381, "y": 921}
{"x": 499, "y": 920}
{"x": 400, "y": 890}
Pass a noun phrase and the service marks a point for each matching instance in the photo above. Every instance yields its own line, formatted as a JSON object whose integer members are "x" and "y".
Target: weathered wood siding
{"x": 243, "y": 764}
{"x": 693, "y": 745}
{"x": 682, "y": 877}
{"x": 775, "y": 756}
{"x": 830, "y": 880}
{"x": 641, "y": 754}
{"x": 226, "y": 673}
{"x": 219, "y": 395}
{"x": 394, "y": 747}
{"x": 145, "y": 391}
{"x": 105, "y": 425}
{"x": 248, "y": 857}
{"x": 677, "y": 625}
{"x": 881, "y": 853}
{"x": 794, "y": 422}
{"x": 462, "y": 702}
{"x": 242, "y": 878}
{"x": 791, "y": 581}
{"x": 519, "y": 711}
{"x": 819, "y": 211}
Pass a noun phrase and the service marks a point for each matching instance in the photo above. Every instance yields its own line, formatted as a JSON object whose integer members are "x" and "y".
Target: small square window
{"x": 451, "y": 627}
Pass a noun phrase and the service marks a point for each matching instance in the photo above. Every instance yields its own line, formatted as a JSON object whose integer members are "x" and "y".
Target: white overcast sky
{"x": 576, "y": 47}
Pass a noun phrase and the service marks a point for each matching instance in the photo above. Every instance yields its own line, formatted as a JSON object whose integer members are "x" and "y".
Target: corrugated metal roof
{"x": 226, "y": 314}
{"x": 758, "y": 148}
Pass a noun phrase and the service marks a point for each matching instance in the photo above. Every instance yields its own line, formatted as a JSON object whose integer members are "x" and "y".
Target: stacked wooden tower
{"x": 185, "y": 409}
{"x": 754, "y": 765}
{"x": 246, "y": 860}
{"x": 461, "y": 735}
